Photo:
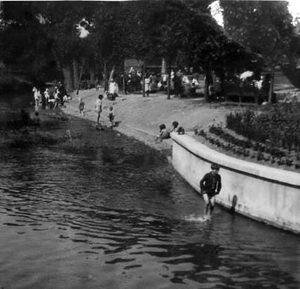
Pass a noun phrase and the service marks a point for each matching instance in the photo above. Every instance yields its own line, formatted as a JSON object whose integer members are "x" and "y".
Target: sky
{"x": 294, "y": 8}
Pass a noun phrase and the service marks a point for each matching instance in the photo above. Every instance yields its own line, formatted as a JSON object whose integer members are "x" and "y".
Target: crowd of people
{"x": 50, "y": 97}
{"x": 182, "y": 82}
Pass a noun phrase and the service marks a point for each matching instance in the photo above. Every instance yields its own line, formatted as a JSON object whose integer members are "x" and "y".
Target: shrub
{"x": 277, "y": 127}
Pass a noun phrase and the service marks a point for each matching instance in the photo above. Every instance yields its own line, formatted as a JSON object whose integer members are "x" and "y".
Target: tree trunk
{"x": 68, "y": 82}
{"x": 169, "y": 80}
{"x": 208, "y": 80}
{"x": 76, "y": 74}
{"x": 270, "y": 96}
{"x": 112, "y": 74}
{"x": 123, "y": 83}
{"x": 163, "y": 66}
{"x": 57, "y": 62}
{"x": 143, "y": 80}
{"x": 92, "y": 77}
{"x": 105, "y": 77}
{"x": 81, "y": 70}
{"x": 222, "y": 88}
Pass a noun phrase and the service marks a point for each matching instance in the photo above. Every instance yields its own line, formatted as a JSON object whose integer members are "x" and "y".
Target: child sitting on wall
{"x": 163, "y": 133}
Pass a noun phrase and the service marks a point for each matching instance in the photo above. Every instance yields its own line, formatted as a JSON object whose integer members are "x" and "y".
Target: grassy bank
{"x": 140, "y": 117}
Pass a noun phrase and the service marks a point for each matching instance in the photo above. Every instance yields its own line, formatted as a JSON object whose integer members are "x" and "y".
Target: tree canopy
{"x": 265, "y": 27}
{"x": 42, "y": 38}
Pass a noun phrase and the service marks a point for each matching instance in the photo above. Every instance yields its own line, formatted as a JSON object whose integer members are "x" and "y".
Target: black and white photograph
{"x": 150, "y": 144}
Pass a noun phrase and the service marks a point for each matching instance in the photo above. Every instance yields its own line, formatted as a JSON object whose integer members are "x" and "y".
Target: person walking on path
{"x": 147, "y": 84}
{"x": 210, "y": 186}
{"x": 81, "y": 106}
{"x": 98, "y": 106}
{"x": 111, "y": 116}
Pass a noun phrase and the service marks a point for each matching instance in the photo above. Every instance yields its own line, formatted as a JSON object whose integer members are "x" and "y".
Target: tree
{"x": 265, "y": 27}
{"x": 169, "y": 31}
{"x": 70, "y": 52}
{"x": 23, "y": 45}
{"x": 182, "y": 32}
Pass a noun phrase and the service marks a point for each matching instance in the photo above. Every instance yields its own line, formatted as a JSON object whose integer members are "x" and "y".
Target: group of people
{"x": 99, "y": 109}
{"x": 111, "y": 113}
{"x": 52, "y": 97}
{"x": 165, "y": 133}
{"x": 210, "y": 183}
{"x": 182, "y": 82}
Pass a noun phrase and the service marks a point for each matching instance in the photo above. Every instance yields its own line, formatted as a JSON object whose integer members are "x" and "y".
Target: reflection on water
{"x": 104, "y": 211}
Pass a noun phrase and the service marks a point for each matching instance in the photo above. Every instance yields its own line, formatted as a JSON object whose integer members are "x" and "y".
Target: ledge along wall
{"x": 262, "y": 193}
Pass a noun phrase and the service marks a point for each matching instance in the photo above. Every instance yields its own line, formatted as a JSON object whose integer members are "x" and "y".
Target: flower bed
{"x": 269, "y": 136}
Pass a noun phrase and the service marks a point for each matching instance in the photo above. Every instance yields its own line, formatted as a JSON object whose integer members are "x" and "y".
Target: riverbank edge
{"x": 143, "y": 136}
{"x": 137, "y": 131}
{"x": 139, "y": 117}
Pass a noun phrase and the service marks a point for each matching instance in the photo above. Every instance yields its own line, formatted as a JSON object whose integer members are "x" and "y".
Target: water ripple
{"x": 80, "y": 209}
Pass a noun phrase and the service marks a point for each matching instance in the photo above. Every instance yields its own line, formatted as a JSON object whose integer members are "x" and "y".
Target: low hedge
{"x": 276, "y": 127}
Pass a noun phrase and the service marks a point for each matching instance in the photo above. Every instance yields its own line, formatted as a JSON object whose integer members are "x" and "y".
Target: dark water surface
{"x": 104, "y": 211}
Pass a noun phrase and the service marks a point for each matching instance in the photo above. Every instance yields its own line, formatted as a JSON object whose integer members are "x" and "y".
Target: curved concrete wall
{"x": 263, "y": 193}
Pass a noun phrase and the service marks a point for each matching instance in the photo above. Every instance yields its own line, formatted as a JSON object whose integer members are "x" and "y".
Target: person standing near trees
{"x": 36, "y": 96}
{"x": 210, "y": 186}
{"x": 47, "y": 96}
{"x": 56, "y": 97}
{"x": 147, "y": 84}
{"x": 178, "y": 89}
{"x": 98, "y": 106}
{"x": 113, "y": 89}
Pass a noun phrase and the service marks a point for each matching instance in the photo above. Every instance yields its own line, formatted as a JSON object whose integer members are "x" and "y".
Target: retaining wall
{"x": 263, "y": 193}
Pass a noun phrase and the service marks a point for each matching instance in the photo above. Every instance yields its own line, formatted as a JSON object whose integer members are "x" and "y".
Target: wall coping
{"x": 275, "y": 175}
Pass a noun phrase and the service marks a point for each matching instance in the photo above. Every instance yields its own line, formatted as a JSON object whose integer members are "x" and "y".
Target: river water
{"x": 101, "y": 210}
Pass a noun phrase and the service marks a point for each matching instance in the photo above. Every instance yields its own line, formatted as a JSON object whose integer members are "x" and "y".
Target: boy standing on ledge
{"x": 210, "y": 186}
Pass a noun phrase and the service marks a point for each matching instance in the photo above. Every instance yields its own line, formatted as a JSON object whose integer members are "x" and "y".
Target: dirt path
{"x": 140, "y": 117}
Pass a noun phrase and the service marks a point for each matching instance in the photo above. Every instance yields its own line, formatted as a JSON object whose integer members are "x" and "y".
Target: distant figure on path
{"x": 113, "y": 90}
{"x": 147, "y": 85}
{"x": 210, "y": 186}
{"x": 56, "y": 98}
{"x": 98, "y": 106}
{"x": 111, "y": 116}
{"x": 81, "y": 106}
